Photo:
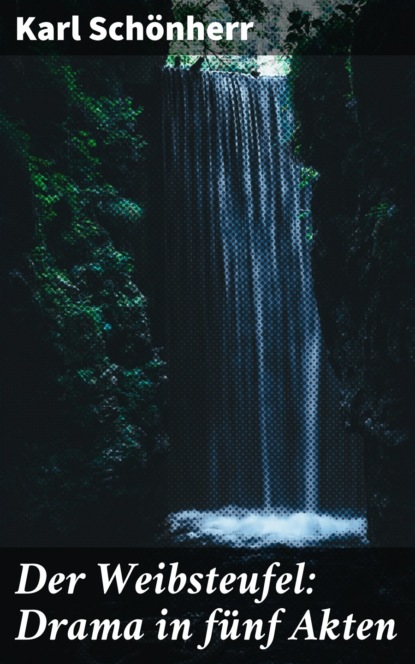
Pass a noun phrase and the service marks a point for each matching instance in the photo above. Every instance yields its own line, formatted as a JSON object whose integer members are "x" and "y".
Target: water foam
{"x": 239, "y": 527}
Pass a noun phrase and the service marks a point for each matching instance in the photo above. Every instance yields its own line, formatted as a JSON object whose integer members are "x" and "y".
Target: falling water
{"x": 243, "y": 326}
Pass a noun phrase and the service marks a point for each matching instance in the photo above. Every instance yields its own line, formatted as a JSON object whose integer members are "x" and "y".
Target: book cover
{"x": 207, "y": 295}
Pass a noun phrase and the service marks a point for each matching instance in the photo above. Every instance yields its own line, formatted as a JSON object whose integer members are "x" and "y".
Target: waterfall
{"x": 244, "y": 338}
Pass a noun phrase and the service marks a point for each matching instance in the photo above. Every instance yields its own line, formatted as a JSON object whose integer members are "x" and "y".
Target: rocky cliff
{"x": 355, "y": 127}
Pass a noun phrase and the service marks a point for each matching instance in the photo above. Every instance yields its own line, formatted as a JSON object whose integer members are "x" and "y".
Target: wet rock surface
{"x": 356, "y": 130}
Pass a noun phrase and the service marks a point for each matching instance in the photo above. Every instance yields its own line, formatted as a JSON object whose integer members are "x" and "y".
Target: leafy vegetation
{"x": 97, "y": 381}
{"x": 308, "y": 34}
{"x": 263, "y": 13}
{"x": 308, "y": 175}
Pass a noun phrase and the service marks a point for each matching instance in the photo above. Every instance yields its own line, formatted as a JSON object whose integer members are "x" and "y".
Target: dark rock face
{"x": 356, "y": 128}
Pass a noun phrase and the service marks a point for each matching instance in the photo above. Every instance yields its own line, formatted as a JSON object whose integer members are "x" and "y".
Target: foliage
{"x": 264, "y": 15}
{"x": 235, "y": 9}
{"x": 101, "y": 374}
{"x": 229, "y": 63}
{"x": 308, "y": 175}
{"x": 276, "y": 65}
{"x": 307, "y": 34}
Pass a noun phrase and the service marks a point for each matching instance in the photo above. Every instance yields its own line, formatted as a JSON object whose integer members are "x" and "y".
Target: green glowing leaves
{"x": 308, "y": 176}
{"x": 305, "y": 215}
{"x": 381, "y": 212}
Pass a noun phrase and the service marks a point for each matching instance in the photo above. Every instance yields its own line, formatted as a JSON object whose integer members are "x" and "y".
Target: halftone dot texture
{"x": 81, "y": 375}
{"x": 258, "y": 454}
